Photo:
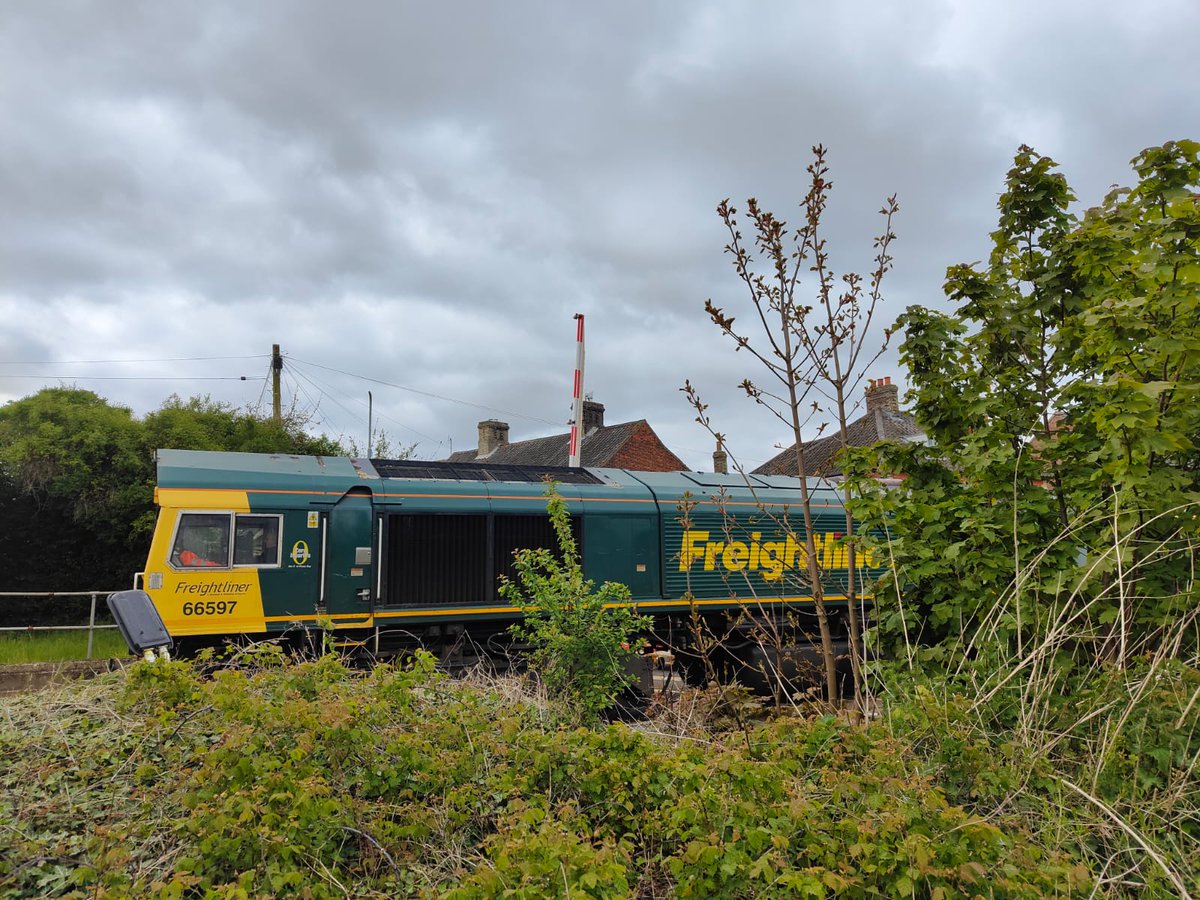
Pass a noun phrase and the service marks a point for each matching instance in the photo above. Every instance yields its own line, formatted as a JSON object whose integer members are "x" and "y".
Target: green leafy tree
{"x": 1060, "y": 486}
{"x": 77, "y": 482}
{"x": 1134, "y": 429}
{"x": 71, "y": 445}
{"x": 74, "y": 480}
{"x": 580, "y": 635}
{"x": 201, "y": 423}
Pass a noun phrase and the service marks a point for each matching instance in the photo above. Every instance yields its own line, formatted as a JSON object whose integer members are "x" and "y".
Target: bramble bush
{"x": 306, "y": 779}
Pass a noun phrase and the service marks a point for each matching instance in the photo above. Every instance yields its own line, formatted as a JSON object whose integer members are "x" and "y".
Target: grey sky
{"x": 424, "y": 194}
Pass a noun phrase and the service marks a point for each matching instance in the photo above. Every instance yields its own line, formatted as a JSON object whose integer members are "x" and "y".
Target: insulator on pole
{"x": 577, "y": 414}
{"x": 276, "y": 368}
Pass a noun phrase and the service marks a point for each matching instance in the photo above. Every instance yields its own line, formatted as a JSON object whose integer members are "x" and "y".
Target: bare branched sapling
{"x": 815, "y": 350}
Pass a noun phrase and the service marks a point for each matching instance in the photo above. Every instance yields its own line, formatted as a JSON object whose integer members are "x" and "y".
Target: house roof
{"x": 877, "y": 425}
{"x": 597, "y": 448}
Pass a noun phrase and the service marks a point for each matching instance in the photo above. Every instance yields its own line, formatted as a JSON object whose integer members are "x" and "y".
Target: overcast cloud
{"x": 424, "y": 194}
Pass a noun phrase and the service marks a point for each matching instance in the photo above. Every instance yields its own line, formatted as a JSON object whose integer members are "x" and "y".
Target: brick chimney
{"x": 883, "y": 396}
{"x": 493, "y": 435}
{"x": 720, "y": 459}
{"x": 593, "y": 415}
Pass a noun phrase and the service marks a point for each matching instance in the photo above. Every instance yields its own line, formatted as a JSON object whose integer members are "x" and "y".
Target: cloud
{"x": 425, "y": 194}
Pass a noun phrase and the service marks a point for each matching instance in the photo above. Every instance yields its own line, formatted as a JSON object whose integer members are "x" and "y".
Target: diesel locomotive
{"x": 389, "y": 554}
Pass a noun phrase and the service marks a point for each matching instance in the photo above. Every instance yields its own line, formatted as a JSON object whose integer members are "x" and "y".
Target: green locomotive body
{"x": 396, "y": 552}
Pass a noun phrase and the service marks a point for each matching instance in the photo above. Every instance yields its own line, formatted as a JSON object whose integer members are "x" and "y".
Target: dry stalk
{"x": 319, "y": 868}
{"x": 1141, "y": 841}
{"x": 894, "y": 571}
{"x": 1060, "y": 631}
{"x": 378, "y": 846}
{"x": 1187, "y": 709}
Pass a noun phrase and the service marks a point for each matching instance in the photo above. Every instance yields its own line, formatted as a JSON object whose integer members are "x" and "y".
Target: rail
{"x": 91, "y": 626}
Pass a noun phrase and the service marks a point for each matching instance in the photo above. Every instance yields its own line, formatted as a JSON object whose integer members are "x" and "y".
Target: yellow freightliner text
{"x": 771, "y": 558}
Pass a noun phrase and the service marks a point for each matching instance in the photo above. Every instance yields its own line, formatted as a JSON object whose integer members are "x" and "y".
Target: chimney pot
{"x": 493, "y": 435}
{"x": 883, "y": 396}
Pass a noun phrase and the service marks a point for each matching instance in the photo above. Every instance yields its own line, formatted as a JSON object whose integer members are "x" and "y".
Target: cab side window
{"x": 202, "y": 540}
{"x": 256, "y": 541}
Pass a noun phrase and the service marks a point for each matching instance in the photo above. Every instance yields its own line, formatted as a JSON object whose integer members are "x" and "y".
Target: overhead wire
{"x": 323, "y": 389}
{"x": 74, "y": 362}
{"x": 299, "y": 392}
{"x": 85, "y": 377}
{"x": 330, "y": 396}
{"x": 316, "y": 413}
{"x": 327, "y": 391}
{"x": 430, "y": 394}
{"x": 380, "y": 381}
{"x": 263, "y": 392}
{"x": 130, "y": 377}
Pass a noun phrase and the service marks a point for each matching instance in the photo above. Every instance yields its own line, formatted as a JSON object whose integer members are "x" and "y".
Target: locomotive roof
{"x": 480, "y": 471}
{"x": 216, "y": 469}
{"x": 770, "y": 489}
{"x": 335, "y": 475}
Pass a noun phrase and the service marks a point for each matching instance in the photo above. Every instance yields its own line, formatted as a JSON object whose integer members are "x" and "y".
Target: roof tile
{"x": 876, "y": 426}
{"x": 598, "y": 447}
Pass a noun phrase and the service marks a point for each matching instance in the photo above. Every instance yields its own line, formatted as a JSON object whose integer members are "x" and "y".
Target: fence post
{"x": 91, "y": 625}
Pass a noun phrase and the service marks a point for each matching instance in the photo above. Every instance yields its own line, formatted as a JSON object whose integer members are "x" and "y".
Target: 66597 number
{"x": 209, "y": 607}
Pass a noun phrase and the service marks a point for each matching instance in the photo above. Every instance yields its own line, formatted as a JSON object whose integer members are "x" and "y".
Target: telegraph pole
{"x": 276, "y": 368}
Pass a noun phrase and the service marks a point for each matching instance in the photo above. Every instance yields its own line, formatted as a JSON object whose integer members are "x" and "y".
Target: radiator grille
{"x": 450, "y": 560}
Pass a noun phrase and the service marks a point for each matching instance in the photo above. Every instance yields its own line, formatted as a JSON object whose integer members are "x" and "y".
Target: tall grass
{"x": 1084, "y": 728}
{"x": 58, "y": 646}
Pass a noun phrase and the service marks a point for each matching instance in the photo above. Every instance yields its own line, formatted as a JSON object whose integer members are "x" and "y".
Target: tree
{"x": 580, "y": 636}
{"x": 1063, "y": 477}
{"x": 77, "y": 479}
{"x": 201, "y": 423}
{"x": 75, "y": 499}
{"x": 381, "y": 447}
{"x": 809, "y": 349}
{"x": 71, "y": 445}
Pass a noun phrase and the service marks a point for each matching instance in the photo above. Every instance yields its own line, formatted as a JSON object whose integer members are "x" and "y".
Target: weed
{"x": 580, "y": 636}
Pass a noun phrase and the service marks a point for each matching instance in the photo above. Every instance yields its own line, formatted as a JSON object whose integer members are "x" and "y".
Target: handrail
{"x": 55, "y": 593}
{"x": 91, "y": 626}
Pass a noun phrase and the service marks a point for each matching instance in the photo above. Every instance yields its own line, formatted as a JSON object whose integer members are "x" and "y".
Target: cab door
{"x": 348, "y": 561}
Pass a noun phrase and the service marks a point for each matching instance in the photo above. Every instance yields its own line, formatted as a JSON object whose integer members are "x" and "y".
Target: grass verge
{"x": 58, "y": 646}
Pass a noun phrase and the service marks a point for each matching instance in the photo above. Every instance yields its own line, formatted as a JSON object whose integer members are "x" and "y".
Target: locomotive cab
{"x": 238, "y": 556}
